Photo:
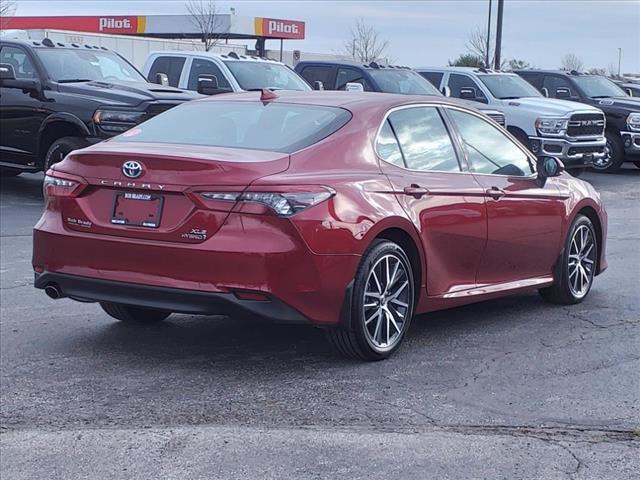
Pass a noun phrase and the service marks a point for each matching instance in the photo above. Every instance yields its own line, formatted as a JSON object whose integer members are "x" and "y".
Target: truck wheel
{"x": 614, "y": 155}
{"x": 382, "y": 307}
{"x": 129, "y": 314}
{"x": 9, "y": 172}
{"x": 60, "y": 148}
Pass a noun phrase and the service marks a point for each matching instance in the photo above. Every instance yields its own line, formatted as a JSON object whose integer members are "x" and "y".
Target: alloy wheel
{"x": 604, "y": 162}
{"x": 387, "y": 302}
{"x": 582, "y": 259}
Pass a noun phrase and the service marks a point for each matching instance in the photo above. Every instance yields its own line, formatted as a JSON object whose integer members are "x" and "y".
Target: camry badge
{"x": 132, "y": 169}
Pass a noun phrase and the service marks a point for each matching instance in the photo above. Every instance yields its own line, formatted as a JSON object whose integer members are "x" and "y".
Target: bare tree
{"x": 571, "y": 62}
{"x": 477, "y": 45}
{"x": 7, "y": 8}
{"x": 204, "y": 16}
{"x": 365, "y": 44}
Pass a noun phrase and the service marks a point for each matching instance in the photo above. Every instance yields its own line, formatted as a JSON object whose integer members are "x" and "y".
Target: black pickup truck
{"x": 56, "y": 98}
{"x": 622, "y": 112}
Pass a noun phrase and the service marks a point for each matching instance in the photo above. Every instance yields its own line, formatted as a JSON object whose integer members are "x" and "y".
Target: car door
{"x": 524, "y": 219}
{"x": 445, "y": 204}
{"x": 21, "y": 113}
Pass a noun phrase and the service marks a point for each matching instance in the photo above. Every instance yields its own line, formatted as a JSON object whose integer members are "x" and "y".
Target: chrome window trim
{"x": 446, "y": 106}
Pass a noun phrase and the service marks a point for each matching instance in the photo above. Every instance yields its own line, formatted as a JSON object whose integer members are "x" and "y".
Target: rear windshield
{"x": 276, "y": 127}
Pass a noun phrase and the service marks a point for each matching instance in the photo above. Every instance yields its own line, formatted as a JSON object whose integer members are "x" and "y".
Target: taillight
{"x": 62, "y": 185}
{"x": 283, "y": 203}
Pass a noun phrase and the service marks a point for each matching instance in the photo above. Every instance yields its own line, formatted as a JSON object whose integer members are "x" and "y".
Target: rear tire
{"x": 615, "y": 155}
{"x": 577, "y": 268}
{"x": 382, "y": 305}
{"x": 60, "y": 148}
{"x": 130, "y": 314}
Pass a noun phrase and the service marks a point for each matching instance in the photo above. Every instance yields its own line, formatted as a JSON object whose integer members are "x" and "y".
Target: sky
{"x": 425, "y": 33}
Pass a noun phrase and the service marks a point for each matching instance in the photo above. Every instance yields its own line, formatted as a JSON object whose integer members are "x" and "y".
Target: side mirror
{"x": 545, "y": 92}
{"x": 8, "y": 80}
{"x": 7, "y": 72}
{"x": 208, "y": 84}
{"x": 468, "y": 93}
{"x": 548, "y": 167}
{"x": 354, "y": 87}
{"x": 318, "y": 85}
{"x": 162, "y": 79}
{"x": 629, "y": 92}
{"x": 446, "y": 91}
{"x": 563, "y": 93}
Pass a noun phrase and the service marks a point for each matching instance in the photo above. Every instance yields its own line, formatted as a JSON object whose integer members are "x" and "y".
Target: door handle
{"x": 495, "y": 193}
{"x": 416, "y": 190}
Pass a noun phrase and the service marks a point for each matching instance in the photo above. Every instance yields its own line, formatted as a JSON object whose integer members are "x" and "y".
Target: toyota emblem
{"x": 132, "y": 169}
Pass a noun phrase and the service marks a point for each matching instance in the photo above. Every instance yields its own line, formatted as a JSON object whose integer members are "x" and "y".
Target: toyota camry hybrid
{"x": 349, "y": 211}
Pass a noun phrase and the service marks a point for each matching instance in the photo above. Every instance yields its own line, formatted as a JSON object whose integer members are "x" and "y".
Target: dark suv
{"x": 622, "y": 112}
{"x": 373, "y": 77}
{"x": 55, "y": 98}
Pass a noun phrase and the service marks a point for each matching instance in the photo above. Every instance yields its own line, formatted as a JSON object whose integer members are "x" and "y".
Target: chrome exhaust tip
{"x": 53, "y": 291}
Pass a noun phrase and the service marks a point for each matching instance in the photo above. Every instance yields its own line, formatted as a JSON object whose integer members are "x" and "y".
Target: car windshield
{"x": 77, "y": 65}
{"x": 595, "y": 86}
{"x": 508, "y": 86}
{"x": 254, "y": 75}
{"x": 276, "y": 127}
{"x": 406, "y": 82}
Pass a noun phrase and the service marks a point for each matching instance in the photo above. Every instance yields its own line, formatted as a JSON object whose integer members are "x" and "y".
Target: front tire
{"x": 577, "y": 268}
{"x": 130, "y": 314}
{"x": 615, "y": 155}
{"x": 60, "y": 148}
{"x": 382, "y": 305}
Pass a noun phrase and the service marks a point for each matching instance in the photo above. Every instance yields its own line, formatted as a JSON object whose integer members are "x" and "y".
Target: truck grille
{"x": 586, "y": 124}
{"x": 497, "y": 117}
{"x": 157, "y": 108}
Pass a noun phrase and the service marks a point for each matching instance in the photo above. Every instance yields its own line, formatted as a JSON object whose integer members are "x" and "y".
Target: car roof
{"x": 222, "y": 56}
{"x": 352, "y": 101}
{"x": 471, "y": 70}
{"x": 351, "y": 63}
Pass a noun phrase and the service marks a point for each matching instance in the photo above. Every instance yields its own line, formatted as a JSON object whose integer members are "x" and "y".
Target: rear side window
{"x": 276, "y": 127}
{"x": 200, "y": 66}
{"x": 434, "y": 77}
{"x": 424, "y": 139}
{"x": 387, "y": 146}
{"x": 324, "y": 74}
{"x": 170, "y": 66}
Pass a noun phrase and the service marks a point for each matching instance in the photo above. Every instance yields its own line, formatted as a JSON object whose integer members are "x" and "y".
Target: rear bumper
{"x": 169, "y": 299}
{"x": 572, "y": 154}
{"x": 249, "y": 253}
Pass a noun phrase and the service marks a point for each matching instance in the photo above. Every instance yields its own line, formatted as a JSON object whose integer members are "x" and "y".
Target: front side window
{"x": 200, "y": 66}
{"x": 19, "y": 60}
{"x": 275, "y": 127}
{"x": 489, "y": 151}
{"x": 254, "y": 75}
{"x": 350, "y": 75}
{"x": 320, "y": 73}
{"x": 424, "y": 139}
{"x": 552, "y": 83}
{"x": 457, "y": 82}
{"x": 84, "y": 65}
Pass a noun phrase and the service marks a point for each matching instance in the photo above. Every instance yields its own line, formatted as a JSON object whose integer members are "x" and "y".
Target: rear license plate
{"x": 137, "y": 209}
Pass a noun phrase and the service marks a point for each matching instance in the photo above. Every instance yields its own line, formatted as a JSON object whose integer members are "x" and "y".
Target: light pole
{"x": 486, "y": 60}
{"x": 499, "y": 34}
{"x": 619, "y": 60}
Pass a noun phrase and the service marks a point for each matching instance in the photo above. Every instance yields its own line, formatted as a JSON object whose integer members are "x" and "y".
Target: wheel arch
{"x": 56, "y": 126}
{"x": 591, "y": 213}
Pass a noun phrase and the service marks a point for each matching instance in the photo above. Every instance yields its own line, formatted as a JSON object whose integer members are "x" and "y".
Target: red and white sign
{"x": 103, "y": 24}
{"x": 277, "y": 28}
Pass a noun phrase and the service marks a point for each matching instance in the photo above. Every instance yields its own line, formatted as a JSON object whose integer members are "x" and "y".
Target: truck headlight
{"x": 115, "y": 121}
{"x": 633, "y": 121}
{"x": 551, "y": 126}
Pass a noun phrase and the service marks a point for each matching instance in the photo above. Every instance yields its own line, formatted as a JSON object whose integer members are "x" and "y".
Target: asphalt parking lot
{"x": 509, "y": 389}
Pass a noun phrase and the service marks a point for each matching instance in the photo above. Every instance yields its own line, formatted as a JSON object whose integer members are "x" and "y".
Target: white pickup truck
{"x": 570, "y": 131}
{"x": 212, "y": 73}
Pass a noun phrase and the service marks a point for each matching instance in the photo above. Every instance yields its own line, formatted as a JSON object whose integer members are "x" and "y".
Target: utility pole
{"x": 619, "y": 60}
{"x": 487, "y": 60}
{"x": 499, "y": 34}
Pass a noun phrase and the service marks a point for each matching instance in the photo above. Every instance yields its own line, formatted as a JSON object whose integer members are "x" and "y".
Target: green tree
{"x": 467, "y": 60}
{"x": 516, "y": 64}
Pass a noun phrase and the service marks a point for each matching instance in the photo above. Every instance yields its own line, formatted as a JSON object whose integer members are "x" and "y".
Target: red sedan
{"x": 350, "y": 211}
